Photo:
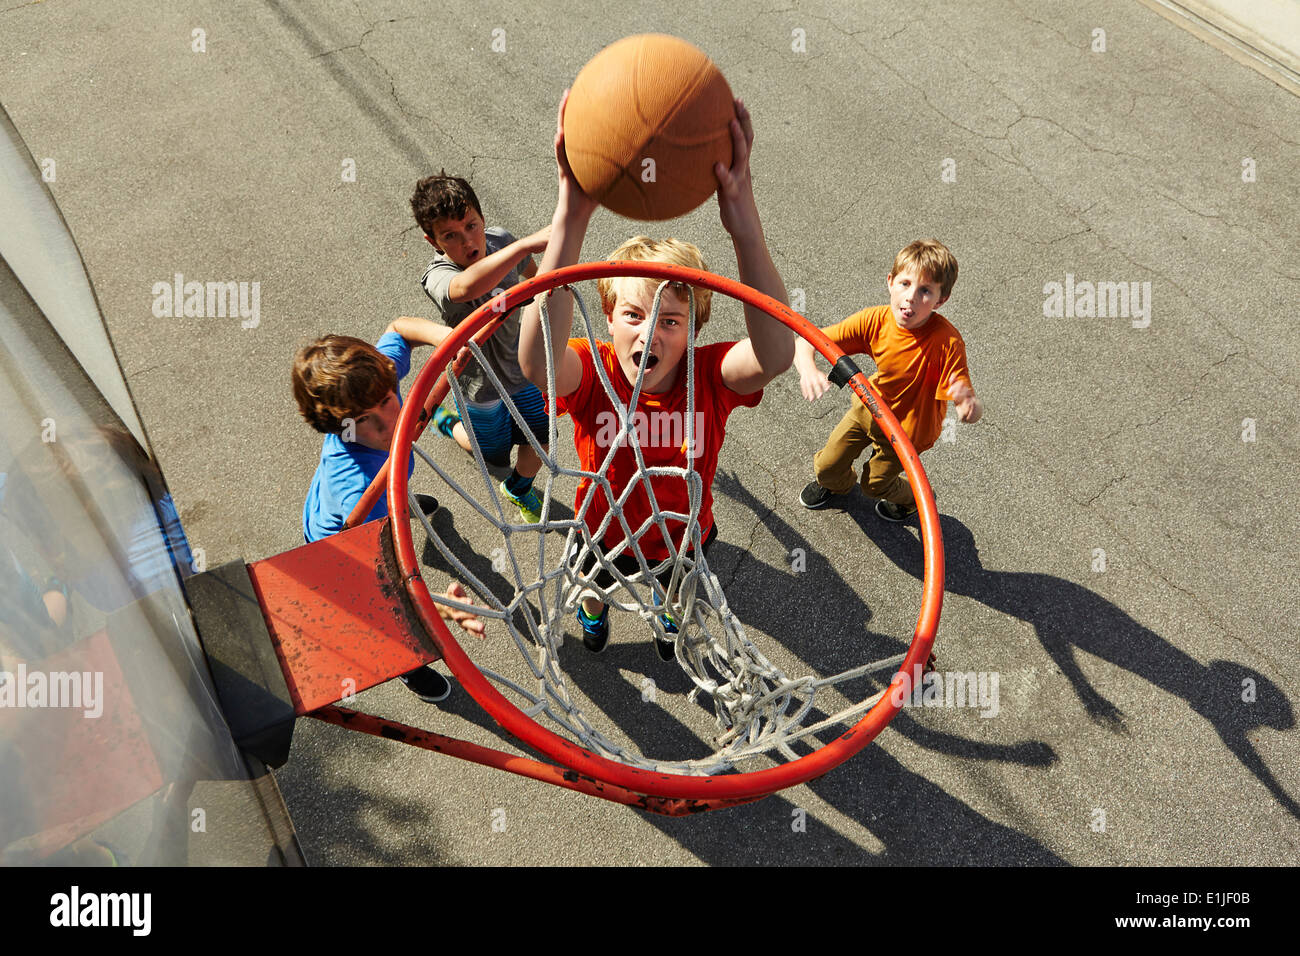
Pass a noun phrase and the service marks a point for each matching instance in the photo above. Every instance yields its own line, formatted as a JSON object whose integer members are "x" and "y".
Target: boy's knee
{"x": 891, "y": 485}
{"x": 495, "y": 451}
{"x": 519, "y": 437}
{"x": 833, "y": 472}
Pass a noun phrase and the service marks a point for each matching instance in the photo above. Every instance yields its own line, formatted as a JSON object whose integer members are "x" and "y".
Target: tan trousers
{"x": 883, "y": 476}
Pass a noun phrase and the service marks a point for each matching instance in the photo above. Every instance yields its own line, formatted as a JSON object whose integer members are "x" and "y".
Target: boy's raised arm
{"x": 573, "y": 209}
{"x": 482, "y": 277}
{"x": 769, "y": 350}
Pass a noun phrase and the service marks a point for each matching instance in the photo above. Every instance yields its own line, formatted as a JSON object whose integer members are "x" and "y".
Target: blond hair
{"x": 932, "y": 260}
{"x": 673, "y": 251}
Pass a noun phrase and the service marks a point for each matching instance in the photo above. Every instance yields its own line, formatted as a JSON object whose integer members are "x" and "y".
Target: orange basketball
{"x": 647, "y": 118}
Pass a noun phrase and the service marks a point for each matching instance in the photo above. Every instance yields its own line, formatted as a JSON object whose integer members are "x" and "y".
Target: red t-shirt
{"x": 661, "y": 426}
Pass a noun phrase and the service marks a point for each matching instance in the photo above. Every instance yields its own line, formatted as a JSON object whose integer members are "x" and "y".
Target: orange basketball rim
{"x": 409, "y": 619}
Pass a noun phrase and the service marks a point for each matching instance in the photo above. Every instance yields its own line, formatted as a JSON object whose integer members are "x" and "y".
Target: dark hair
{"x": 442, "y": 197}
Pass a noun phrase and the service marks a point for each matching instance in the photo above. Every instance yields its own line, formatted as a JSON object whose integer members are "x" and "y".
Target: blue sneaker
{"x": 529, "y": 505}
{"x": 445, "y": 420}
{"x": 665, "y": 649}
{"x": 595, "y": 633}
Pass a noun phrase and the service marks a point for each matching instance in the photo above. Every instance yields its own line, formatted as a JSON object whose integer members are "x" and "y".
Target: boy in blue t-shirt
{"x": 349, "y": 390}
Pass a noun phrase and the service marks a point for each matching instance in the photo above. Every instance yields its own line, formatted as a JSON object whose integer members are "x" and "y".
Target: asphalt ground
{"x": 1147, "y": 710}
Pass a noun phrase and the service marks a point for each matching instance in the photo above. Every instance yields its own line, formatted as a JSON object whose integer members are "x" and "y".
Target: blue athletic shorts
{"x": 497, "y": 431}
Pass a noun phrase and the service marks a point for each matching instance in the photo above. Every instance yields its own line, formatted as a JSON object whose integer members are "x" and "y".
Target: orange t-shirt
{"x": 912, "y": 367}
{"x": 660, "y": 422}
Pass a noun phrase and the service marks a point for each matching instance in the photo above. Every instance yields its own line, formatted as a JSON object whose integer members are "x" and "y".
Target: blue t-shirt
{"x": 346, "y": 468}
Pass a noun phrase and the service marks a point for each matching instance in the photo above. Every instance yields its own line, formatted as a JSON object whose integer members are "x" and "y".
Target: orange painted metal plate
{"x": 338, "y": 616}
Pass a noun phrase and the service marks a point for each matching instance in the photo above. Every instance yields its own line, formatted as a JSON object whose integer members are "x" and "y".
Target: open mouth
{"x": 650, "y": 362}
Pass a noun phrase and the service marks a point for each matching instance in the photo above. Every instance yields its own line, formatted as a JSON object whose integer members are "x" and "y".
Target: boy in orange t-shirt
{"x": 920, "y": 366}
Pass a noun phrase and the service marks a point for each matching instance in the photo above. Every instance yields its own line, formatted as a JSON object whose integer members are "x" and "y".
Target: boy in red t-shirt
{"x": 727, "y": 375}
{"x": 920, "y": 366}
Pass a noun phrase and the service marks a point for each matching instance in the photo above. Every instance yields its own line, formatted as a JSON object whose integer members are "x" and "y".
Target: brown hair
{"x": 338, "y": 377}
{"x": 442, "y": 197}
{"x": 933, "y": 260}
{"x": 673, "y": 251}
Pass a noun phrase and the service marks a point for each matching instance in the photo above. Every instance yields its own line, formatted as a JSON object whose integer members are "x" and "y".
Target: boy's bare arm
{"x": 769, "y": 350}
{"x": 848, "y": 335}
{"x": 813, "y": 382}
{"x": 969, "y": 408}
{"x": 482, "y": 277}
{"x": 419, "y": 331}
{"x": 573, "y": 209}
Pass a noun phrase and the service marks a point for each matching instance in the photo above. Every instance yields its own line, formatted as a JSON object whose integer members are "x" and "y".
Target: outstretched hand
{"x": 969, "y": 407}
{"x": 813, "y": 383}
{"x": 735, "y": 187}
{"x": 471, "y": 622}
{"x": 571, "y": 196}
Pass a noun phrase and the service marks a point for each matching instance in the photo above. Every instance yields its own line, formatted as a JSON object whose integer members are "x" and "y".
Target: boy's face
{"x": 913, "y": 297}
{"x": 374, "y": 427}
{"x": 628, "y": 323}
{"x": 460, "y": 240}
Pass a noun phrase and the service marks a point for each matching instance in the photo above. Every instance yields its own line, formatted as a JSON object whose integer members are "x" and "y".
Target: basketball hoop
{"x": 759, "y": 710}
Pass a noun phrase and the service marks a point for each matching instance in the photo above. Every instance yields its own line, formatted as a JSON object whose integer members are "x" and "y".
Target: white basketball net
{"x": 758, "y": 709}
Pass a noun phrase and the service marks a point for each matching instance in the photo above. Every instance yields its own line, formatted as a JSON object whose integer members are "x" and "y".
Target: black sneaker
{"x": 892, "y": 512}
{"x": 428, "y": 504}
{"x": 595, "y": 634}
{"x": 815, "y": 496}
{"x": 427, "y": 684}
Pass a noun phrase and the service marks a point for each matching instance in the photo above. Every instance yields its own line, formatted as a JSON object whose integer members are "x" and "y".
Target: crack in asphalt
{"x": 30, "y": 3}
{"x": 407, "y": 112}
{"x": 758, "y": 523}
{"x": 1180, "y": 402}
{"x": 1110, "y": 484}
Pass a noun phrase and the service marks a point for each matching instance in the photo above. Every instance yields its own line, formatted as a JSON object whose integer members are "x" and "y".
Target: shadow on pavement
{"x": 1066, "y": 616}
{"x": 914, "y": 819}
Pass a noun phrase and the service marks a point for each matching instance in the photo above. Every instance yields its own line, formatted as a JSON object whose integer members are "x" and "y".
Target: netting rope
{"x": 757, "y": 708}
